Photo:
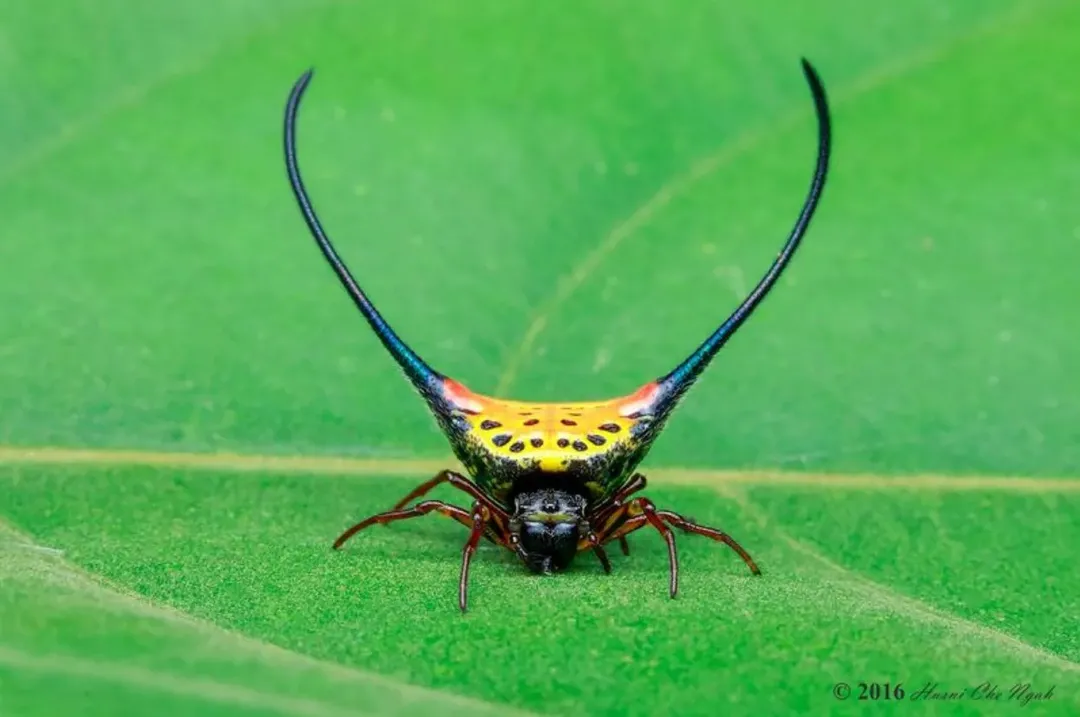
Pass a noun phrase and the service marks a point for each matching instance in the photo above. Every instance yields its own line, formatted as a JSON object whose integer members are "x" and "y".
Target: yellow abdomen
{"x": 551, "y": 434}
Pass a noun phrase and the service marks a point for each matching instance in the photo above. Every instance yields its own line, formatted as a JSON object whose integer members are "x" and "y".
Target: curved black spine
{"x": 417, "y": 370}
{"x": 680, "y": 379}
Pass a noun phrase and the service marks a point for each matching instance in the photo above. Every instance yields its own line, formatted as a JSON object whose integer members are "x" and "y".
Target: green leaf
{"x": 549, "y": 201}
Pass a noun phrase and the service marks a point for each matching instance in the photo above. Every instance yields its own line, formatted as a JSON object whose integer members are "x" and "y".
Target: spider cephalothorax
{"x": 547, "y": 523}
{"x": 550, "y": 480}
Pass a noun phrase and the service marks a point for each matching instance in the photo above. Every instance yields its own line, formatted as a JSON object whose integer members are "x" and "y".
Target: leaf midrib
{"x": 419, "y": 466}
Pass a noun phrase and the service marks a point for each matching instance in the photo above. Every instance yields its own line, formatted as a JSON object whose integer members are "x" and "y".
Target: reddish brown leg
{"x": 643, "y": 512}
{"x": 514, "y": 544}
{"x": 606, "y": 508}
{"x": 479, "y": 518}
{"x": 649, "y": 509}
{"x": 601, "y": 554}
{"x": 422, "y": 489}
{"x": 680, "y": 522}
{"x": 458, "y": 481}
{"x": 626, "y": 527}
{"x": 416, "y": 511}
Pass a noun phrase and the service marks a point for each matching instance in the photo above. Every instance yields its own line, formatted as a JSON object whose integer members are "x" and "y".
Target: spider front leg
{"x": 691, "y": 527}
{"x": 640, "y": 512}
{"x": 479, "y": 522}
{"x": 480, "y": 517}
{"x": 451, "y": 511}
{"x": 455, "y": 479}
{"x": 467, "y": 486}
{"x": 592, "y": 540}
{"x": 606, "y": 509}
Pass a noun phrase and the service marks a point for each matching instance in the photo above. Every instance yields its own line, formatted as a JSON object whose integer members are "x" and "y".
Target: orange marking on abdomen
{"x": 462, "y": 397}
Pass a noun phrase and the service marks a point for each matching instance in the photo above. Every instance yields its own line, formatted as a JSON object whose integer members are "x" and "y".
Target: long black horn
{"x": 680, "y": 379}
{"x": 415, "y": 367}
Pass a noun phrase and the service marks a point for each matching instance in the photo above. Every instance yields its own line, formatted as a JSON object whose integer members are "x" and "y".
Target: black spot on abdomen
{"x": 580, "y": 446}
{"x": 562, "y": 443}
{"x": 502, "y": 439}
{"x": 596, "y": 440}
{"x": 489, "y": 425}
{"x": 610, "y": 427}
{"x": 517, "y": 447}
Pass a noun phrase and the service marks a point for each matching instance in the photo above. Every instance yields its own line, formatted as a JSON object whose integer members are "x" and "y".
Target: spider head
{"x": 547, "y": 524}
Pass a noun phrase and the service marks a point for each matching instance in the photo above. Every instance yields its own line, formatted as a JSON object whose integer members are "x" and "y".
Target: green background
{"x": 550, "y": 201}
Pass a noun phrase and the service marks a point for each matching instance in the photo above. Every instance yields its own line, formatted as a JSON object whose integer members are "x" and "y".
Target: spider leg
{"x": 594, "y": 542}
{"x": 479, "y": 519}
{"x": 691, "y": 527}
{"x": 458, "y": 481}
{"x": 601, "y": 554}
{"x": 641, "y": 511}
{"x": 423, "y": 489}
{"x": 607, "y": 507}
{"x": 451, "y": 511}
{"x": 603, "y": 512}
{"x": 479, "y": 523}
